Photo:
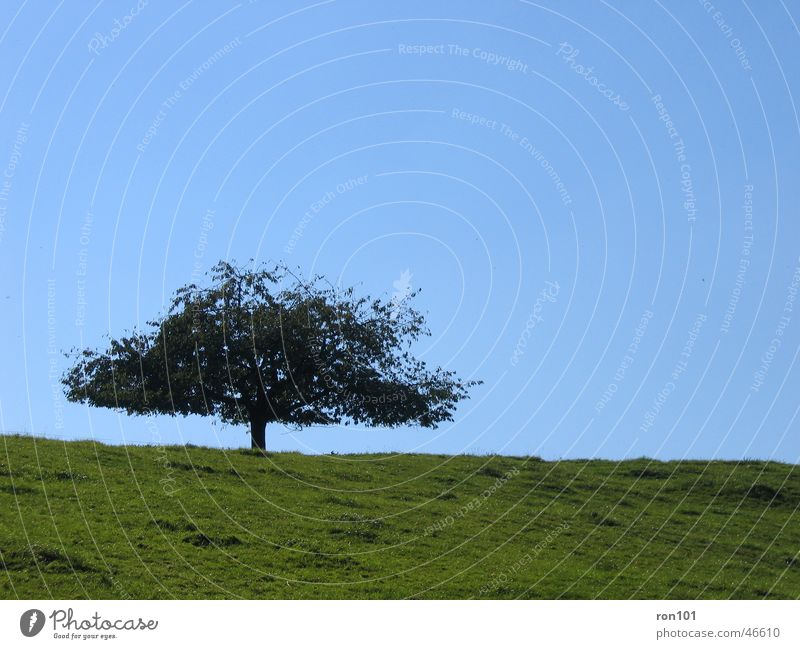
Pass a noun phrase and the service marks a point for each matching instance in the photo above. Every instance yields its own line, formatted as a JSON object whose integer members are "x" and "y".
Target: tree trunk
{"x": 258, "y": 433}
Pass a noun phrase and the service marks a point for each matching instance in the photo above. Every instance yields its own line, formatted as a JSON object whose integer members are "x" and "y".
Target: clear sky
{"x": 598, "y": 201}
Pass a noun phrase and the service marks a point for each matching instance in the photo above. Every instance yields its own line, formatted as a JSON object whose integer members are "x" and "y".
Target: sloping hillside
{"x": 80, "y": 519}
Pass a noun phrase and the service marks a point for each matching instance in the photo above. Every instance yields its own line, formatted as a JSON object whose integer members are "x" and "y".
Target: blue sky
{"x": 598, "y": 201}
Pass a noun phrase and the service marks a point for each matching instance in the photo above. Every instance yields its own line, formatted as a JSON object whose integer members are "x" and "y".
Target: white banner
{"x": 354, "y": 624}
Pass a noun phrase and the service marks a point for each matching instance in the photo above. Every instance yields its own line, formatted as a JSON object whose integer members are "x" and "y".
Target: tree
{"x": 262, "y": 345}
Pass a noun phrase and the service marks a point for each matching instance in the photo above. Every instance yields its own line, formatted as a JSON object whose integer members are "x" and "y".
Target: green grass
{"x": 84, "y": 520}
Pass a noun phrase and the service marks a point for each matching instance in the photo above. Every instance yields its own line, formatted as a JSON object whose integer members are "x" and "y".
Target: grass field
{"x": 84, "y": 520}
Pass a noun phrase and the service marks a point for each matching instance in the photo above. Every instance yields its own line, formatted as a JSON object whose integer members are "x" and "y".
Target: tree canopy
{"x": 261, "y": 345}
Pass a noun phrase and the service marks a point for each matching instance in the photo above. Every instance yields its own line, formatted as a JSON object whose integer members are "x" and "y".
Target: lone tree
{"x": 262, "y": 345}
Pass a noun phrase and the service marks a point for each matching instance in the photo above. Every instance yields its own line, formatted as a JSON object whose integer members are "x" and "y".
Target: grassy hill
{"x": 80, "y": 519}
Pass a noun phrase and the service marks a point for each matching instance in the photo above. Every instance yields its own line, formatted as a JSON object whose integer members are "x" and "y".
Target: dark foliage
{"x": 262, "y": 345}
